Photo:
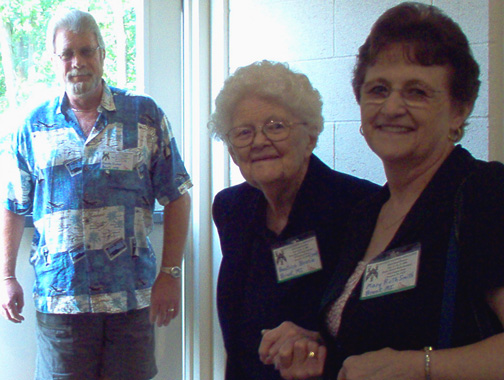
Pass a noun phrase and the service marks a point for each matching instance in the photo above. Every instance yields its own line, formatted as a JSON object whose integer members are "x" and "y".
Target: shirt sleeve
{"x": 16, "y": 185}
{"x": 169, "y": 174}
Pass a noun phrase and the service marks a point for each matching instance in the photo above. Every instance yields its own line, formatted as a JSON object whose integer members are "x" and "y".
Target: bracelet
{"x": 9, "y": 278}
{"x": 427, "y": 351}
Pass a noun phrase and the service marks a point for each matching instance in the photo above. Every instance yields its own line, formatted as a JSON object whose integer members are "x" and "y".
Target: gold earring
{"x": 455, "y": 135}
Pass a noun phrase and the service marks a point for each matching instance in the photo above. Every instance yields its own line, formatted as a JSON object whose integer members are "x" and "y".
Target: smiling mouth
{"x": 395, "y": 128}
{"x": 266, "y": 158}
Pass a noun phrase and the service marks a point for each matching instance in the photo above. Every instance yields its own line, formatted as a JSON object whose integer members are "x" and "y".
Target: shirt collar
{"x": 107, "y": 100}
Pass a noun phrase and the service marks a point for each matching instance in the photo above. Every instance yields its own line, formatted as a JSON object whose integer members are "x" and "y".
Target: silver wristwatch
{"x": 175, "y": 271}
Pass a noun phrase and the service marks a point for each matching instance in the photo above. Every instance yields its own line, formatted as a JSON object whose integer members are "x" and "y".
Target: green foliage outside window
{"x": 25, "y": 65}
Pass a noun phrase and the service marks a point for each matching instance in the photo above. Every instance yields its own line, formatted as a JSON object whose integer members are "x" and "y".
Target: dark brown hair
{"x": 429, "y": 37}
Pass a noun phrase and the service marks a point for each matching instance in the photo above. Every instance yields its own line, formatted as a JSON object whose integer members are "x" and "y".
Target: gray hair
{"x": 75, "y": 21}
{"x": 272, "y": 81}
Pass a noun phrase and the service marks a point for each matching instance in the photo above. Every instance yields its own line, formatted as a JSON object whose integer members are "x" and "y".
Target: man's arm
{"x": 166, "y": 292}
{"x": 11, "y": 293}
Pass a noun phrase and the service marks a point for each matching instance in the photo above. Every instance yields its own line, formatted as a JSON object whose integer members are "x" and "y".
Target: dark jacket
{"x": 249, "y": 298}
{"x": 411, "y": 319}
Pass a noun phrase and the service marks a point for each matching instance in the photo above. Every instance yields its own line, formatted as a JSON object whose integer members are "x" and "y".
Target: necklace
{"x": 77, "y": 110}
{"x": 396, "y": 221}
{"x": 390, "y": 225}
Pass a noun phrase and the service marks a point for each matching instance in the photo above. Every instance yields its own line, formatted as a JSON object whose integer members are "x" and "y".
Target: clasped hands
{"x": 295, "y": 352}
{"x": 300, "y": 354}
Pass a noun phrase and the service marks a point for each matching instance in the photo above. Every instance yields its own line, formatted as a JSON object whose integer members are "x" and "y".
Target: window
{"x": 26, "y": 70}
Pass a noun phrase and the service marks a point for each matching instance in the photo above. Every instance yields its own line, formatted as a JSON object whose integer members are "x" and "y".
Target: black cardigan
{"x": 411, "y": 319}
{"x": 247, "y": 284}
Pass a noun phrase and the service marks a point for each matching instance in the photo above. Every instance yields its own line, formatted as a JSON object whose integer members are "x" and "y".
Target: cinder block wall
{"x": 320, "y": 38}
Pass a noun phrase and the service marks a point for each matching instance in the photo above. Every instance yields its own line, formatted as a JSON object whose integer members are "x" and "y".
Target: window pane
{"x": 26, "y": 72}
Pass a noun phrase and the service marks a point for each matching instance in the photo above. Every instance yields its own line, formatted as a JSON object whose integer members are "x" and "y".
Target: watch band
{"x": 175, "y": 271}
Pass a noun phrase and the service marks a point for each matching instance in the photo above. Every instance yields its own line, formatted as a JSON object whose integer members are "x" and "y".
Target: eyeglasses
{"x": 85, "y": 52}
{"x": 415, "y": 95}
{"x": 240, "y": 137}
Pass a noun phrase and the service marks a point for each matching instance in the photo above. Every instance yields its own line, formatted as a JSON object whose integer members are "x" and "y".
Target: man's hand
{"x": 165, "y": 299}
{"x": 11, "y": 293}
{"x": 11, "y": 300}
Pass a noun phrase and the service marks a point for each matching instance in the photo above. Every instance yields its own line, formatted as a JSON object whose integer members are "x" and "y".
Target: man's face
{"x": 78, "y": 62}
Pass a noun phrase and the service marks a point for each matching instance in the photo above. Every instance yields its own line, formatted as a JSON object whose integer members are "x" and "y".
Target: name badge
{"x": 112, "y": 160}
{"x": 297, "y": 257}
{"x": 391, "y": 272}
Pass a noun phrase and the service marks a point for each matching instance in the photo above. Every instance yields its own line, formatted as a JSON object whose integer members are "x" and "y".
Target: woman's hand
{"x": 385, "y": 364}
{"x": 297, "y": 353}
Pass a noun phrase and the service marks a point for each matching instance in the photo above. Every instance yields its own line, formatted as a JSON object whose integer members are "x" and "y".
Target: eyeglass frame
{"x": 286, "y": 124}
{"x": 91, "y": 54}
{"x": 424, "y": 102}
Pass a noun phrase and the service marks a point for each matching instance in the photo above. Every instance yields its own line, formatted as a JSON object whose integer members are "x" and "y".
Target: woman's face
{"x": 265, "y": 162}
{"x": 406, "y": 110}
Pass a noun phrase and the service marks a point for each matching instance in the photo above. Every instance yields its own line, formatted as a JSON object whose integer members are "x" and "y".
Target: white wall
{"x": 320, "y": 38}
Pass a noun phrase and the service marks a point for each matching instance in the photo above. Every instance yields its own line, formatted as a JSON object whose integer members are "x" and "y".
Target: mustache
{"x": 75, "y": 73}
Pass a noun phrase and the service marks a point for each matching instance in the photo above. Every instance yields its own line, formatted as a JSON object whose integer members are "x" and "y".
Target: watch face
{"x": 176, "y": 272}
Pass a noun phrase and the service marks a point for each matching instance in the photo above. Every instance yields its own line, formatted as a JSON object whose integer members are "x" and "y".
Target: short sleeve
{"x": 16, "y": 187}
{"x": 169, "y": 174}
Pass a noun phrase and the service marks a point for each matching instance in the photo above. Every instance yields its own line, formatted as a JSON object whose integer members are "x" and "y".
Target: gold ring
{"x": 311, "y": 354}
{"x": 171, "y": 310}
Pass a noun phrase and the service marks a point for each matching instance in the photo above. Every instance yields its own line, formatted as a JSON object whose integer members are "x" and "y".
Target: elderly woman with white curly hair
{"x": 280, "y": 231}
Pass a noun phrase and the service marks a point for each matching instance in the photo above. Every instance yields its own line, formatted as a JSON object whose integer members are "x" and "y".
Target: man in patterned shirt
{"x": 89, "y": 165}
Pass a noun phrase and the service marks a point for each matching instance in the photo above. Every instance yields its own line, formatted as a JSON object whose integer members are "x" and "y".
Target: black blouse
{"x": 411, "y": 319}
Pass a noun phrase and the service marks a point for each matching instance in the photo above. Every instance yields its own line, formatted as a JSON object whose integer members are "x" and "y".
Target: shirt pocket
{"x": 124, "y": 179}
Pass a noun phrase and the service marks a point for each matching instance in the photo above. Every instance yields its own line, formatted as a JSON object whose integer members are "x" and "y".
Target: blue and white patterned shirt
{"x": 92, "y": 200}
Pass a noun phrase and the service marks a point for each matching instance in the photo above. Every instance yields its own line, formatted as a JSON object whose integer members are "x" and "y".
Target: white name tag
{"x": 117, "y": 160}
{"x": 391, "y": 272}
{"x": 296, "y": 258}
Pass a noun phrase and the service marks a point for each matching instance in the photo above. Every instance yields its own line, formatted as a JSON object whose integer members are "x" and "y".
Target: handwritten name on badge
{"x": 297, "y": 258}
{"x": 392, "y": 272}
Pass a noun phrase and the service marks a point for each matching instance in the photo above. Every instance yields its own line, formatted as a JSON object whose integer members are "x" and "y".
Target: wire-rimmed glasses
{"x": 414, "y": 95}
{"x": 85, "y": 52}
{"x": 243, "y": 136}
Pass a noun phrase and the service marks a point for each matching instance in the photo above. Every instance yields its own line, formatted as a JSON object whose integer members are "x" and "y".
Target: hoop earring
{"x": 361, "y": 131}
{"x": 456, "y": 135}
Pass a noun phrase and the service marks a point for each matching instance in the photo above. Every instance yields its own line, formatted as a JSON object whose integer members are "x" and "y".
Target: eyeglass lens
{"x": 413, "y": 95}
{"x": 243, "y": 136}
{"x": 86, "y": 52}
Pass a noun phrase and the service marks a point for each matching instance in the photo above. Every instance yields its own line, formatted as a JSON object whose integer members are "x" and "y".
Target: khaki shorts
{"x": 88, "y": 346}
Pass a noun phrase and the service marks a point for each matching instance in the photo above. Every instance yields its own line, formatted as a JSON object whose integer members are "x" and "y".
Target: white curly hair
{"x": 272, "y": 81}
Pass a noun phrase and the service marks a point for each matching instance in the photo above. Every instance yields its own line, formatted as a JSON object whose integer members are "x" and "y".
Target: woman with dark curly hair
{"x": 419, "y": 291}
